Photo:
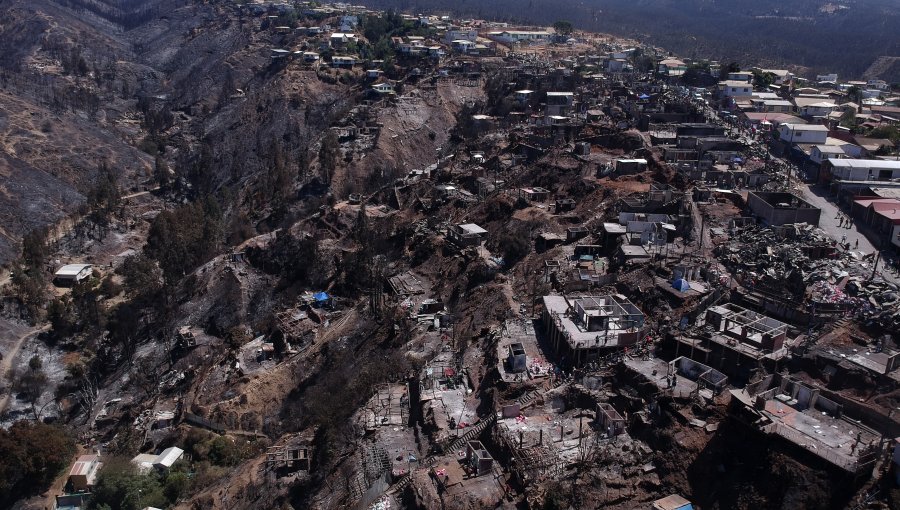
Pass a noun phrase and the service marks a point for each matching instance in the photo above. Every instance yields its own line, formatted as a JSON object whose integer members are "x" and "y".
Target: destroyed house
{"x": 586, "y": 325}
{"x": 479, "y": 460}
{"x": 747, "y": 327}
{"x": 699, "y": 129}
{"x": 778, "y": 405}
{"x": 559, "y": 103}
{"x": 736, "y": 341}
{"x": 660, "y": 196}
{"x": 536, "y": 194}
{"x": 610, "y": 421}
{"x": 779, "y": 208}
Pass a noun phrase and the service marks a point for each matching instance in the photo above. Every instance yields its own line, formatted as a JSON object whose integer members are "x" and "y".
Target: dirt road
{"x": 9, "y": 354}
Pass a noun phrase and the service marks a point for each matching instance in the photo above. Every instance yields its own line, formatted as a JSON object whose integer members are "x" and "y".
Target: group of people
{"x": 845, "y": 221}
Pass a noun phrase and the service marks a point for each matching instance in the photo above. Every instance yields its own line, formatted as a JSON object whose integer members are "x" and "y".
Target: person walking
{"x": 856, "y": 246}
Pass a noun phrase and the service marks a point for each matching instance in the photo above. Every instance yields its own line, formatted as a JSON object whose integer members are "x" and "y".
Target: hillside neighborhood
{"x": 504, "y": 266}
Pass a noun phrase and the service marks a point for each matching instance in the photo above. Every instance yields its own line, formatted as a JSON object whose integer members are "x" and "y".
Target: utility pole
{"x": 875, "y": 266}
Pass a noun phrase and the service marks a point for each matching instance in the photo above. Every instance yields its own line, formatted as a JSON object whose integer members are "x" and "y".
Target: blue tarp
{"x": 586, "y": 258}
{"x": 681, "y": 285}
{"x": 643, "y": 96}
{"x": 321, "y": 296}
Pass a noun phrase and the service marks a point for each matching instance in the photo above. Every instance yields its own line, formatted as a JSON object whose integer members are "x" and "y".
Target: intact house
{"x": 467, "y": 234}
{"x": 864, "y": 170}
{"x": 521, "y": 36}
{"x": 671, "y": 67}
{"x": 72, "y": 274}
{"x": 146, "y": 462}
{"x": 779, "y": 208}
{"x": 782, "y": 76}
{"x": 773, "y": 105}
{"x": 732, "y": 88}
{"x": 882, "y": 214}
{"x": 83, "y": 474}
{"x": 803, "y": 133}
{"x": 819, "y": 109}
{"x": 343, "y": 62}
{"x": 581, "y": 328}
{"x": 383, "y": 88}
{"x": 741, "y": 76}
{"x": 819, "y": 153}
{"x": 460, "y": 34}
{"x": 341, "y": 39}
{"x": 462, "y": 46}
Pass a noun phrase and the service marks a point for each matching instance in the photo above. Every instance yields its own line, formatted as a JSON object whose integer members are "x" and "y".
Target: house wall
{"x": 775, "y": 216}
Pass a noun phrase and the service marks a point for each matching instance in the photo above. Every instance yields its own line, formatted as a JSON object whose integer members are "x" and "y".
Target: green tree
{"x": 848, "y": 119}
{"x": 34, "y": 248}
{"x": 563, "y": 27}
{"x": 141, "y": 275}
{"x": 891, "y": 133}
{"x": 120, "y": 487}
{"x": 61, "y": 316}
{"x": 763, "y": 80}
{"x": 183, "y": 238}
{"x": 30, "y": 288}
{"x": 732, "y": 67}
{"x": 32, "y": 454}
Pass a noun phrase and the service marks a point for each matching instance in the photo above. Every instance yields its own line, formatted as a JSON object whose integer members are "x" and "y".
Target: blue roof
{"x": 321, "y": 296}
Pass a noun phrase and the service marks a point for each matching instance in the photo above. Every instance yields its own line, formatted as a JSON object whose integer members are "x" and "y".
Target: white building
{"x": 460, "y": 34}
{"x": 521, "y": 36}
{"x": 73, "y": 273}
{"x": 735, "y": 88}
{"x": 804, "y": 133}
{"x": 864, "y": 169}
{"x": 341, "y": 38}
{"x": 820, "y": 109}
{"x": 741, "y": 76}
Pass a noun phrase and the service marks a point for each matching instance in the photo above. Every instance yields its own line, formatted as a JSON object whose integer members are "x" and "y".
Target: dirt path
{"x": 140, "y": 193}
{"x": 8, "y": 358}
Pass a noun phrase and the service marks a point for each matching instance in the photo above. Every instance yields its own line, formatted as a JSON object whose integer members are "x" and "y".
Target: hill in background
{"x": 845, "y": 37}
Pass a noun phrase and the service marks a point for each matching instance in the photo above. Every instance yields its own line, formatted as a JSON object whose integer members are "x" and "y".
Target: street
{"x": 817, "y": 196}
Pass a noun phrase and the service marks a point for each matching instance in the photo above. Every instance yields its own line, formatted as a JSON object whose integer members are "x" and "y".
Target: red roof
{"x": 892, "y": 215}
